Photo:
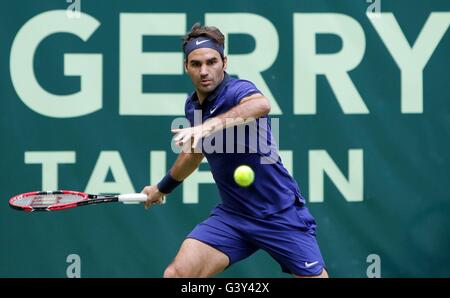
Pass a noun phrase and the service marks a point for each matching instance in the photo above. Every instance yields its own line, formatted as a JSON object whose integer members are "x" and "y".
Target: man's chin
{"x": 206, "y": 89}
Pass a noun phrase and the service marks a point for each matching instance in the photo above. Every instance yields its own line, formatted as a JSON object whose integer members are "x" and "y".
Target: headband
{"x": 202, "y": 42}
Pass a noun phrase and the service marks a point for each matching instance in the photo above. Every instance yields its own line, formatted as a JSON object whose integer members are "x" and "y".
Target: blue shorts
{"x": 289, "y": 236}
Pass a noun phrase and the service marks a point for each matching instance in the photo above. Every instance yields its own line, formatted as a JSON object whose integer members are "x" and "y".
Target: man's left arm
{"x": 248, "y": 109}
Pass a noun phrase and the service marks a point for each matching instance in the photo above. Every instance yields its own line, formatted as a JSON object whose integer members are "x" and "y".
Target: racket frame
{"x": 87, "y": 199}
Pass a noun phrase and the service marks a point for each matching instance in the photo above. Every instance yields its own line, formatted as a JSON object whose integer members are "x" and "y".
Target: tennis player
{"x": 270, "y": 214}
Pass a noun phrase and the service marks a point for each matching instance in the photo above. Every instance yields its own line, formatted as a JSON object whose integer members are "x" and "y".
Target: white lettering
{"x": 308, "y": 64}
{"x": 134, "y": 63}
{"x": 109, "y": 161}
{"x": 320, "y": 163}
{"x": 50, "y": 161}
{"x": 411, "y": 60}
{"x": 250, "y": 66}
{"x": 87, "y": 66}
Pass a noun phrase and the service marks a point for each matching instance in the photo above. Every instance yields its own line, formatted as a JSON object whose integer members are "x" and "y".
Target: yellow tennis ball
{"x": 244, "y": 175}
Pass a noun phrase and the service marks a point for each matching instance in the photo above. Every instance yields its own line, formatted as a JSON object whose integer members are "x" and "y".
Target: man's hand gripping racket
{"x": 154, "y": 196}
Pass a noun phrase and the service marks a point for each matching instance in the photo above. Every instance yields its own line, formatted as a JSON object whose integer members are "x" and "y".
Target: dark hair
{"x": 204, "y": 31}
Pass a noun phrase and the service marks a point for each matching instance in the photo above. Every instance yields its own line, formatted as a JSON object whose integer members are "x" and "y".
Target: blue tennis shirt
{"x": 273, "y": 189}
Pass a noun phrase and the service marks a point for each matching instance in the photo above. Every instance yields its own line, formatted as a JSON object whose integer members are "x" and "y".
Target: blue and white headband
{"x": 202, "y": 42}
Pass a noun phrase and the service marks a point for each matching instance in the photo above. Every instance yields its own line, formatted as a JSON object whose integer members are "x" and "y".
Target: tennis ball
{"x": 244, "y": 175}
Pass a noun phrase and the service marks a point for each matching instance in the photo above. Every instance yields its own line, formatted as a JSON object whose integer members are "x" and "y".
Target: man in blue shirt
{"x": 270, "y": 214}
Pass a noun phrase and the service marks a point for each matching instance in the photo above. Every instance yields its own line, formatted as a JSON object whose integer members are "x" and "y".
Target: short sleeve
{"x": 244, "y": 89}
{"x": 188, "y": 111}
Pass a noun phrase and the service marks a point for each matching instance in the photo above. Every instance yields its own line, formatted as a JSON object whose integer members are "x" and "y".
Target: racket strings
{"x": 44, "y": 201}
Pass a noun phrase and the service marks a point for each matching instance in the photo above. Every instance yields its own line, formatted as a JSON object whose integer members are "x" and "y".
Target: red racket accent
{"x": 48, "y": 201}
{"x": 65, "y": 199}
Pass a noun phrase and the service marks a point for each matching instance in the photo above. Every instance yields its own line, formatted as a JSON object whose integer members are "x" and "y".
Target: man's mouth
{"x": 205, "y": 82}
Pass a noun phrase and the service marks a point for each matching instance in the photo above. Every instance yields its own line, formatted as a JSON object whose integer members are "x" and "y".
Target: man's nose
{"x": 203, "y": 70}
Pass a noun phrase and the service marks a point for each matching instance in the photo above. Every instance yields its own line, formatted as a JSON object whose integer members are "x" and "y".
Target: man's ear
{"x": 225, "y": 62}
{"x": 185, "y": 64}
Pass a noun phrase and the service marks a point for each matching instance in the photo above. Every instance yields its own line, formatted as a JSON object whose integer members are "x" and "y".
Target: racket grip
{"x": 133, "y": 198}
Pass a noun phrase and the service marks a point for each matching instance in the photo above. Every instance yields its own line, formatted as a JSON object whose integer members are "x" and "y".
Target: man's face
{"x": 206, "y": 69}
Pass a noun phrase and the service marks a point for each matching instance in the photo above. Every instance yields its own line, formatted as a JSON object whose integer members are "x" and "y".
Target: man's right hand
{"x": 154, "y": 196}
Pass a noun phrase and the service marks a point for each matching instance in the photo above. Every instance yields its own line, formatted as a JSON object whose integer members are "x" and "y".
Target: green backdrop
{"x": 362, "y": 101}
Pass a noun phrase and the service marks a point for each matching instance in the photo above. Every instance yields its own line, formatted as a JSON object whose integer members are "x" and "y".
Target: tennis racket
{"x": 65, "y": 199}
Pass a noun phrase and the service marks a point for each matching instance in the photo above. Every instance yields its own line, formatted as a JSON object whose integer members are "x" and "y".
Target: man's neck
{"x": 201, "y": 97}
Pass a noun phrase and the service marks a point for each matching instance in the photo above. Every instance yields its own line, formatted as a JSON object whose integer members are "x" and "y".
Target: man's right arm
{"x": 185, "y": 164}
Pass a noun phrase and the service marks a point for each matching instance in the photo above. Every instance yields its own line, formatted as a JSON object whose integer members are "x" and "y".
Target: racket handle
{"x": 133, "y": 198}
